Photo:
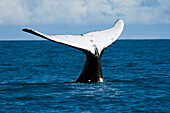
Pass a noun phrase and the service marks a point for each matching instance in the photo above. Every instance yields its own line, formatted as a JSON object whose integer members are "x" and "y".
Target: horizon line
{"x": 48, "y": 40}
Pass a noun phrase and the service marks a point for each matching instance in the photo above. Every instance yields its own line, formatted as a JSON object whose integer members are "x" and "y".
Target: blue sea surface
{"x": 136, "y": 78}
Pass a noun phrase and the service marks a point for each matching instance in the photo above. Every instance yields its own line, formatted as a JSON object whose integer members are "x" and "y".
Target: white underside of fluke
{"x": 88, "y": 41}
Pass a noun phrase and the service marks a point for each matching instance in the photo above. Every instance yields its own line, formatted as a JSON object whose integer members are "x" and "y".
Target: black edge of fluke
{"x": 33, "y": 32}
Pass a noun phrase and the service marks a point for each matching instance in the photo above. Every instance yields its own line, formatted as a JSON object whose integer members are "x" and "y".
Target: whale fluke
{"x": 92, "y": 44}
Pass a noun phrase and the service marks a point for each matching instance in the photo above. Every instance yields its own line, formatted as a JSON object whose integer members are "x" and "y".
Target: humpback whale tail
{"x": 92, "y": 44}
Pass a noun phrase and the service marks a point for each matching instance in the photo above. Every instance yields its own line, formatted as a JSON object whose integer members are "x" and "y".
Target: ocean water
{"x": 136, "y": 78}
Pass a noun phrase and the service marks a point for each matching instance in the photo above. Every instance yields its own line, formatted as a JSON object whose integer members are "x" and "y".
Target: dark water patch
{"x": 120, "y": 81}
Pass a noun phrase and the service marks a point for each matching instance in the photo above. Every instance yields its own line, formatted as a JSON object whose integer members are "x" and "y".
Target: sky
{"x": 144, "y": 19}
